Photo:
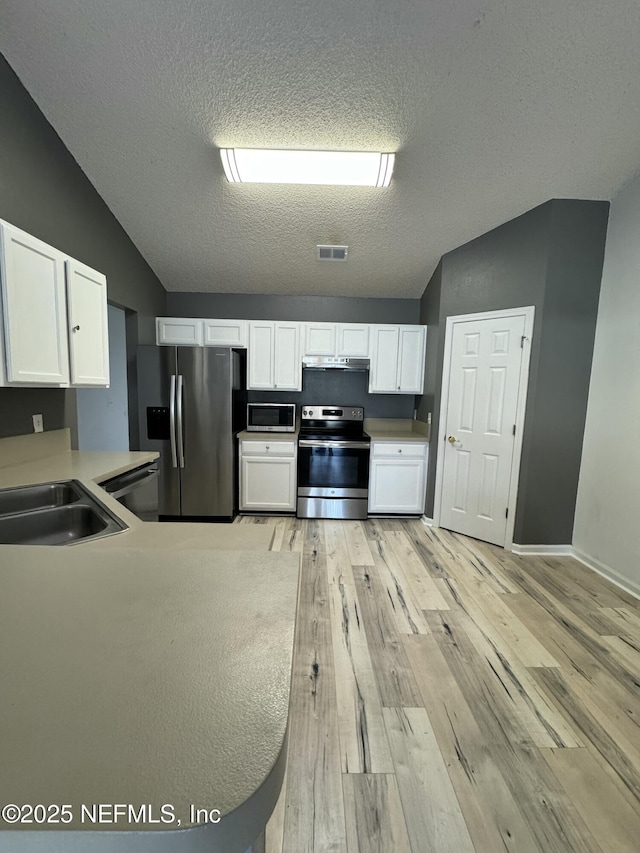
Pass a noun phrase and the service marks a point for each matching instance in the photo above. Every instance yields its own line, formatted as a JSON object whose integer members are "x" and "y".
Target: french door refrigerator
{"x": 192, "y": 402}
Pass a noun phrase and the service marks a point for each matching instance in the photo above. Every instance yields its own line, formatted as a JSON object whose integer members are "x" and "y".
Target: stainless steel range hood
{"x": 322, "y": 362}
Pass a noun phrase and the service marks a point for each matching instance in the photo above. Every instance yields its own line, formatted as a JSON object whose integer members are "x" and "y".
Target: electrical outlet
{"x": 37, "y": 423}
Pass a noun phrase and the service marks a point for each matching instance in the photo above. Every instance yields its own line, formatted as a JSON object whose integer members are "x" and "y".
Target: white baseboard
{"x": 569, "y": 551}
{"x": 607, "y": 572}
{"x": 543, "y": 550}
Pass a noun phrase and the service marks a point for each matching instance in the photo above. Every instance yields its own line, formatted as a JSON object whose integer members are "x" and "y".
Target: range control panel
{"x": 333, "y": 413}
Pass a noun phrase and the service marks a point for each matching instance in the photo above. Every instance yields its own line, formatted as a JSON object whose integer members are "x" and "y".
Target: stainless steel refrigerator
{"x": 192, "y": 402}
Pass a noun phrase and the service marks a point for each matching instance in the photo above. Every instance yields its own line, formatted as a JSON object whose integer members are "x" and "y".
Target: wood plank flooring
{"x": 451, "y": 697}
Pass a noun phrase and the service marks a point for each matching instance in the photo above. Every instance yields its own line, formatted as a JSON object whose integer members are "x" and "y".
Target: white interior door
{"x": 481, "y": 424}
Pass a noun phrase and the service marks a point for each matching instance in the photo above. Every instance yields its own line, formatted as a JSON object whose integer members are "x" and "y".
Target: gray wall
{"x": 551, "y": 257}
{"x": 328, "y": 309}
{"x": 343, "y": 388}
{"x": 430, "y": 317}
{"x": 328, "y": 387}
{"x": 45, "y": 192}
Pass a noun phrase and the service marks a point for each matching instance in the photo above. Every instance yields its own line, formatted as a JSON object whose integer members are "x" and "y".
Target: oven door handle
{"x": 355, "y": 445}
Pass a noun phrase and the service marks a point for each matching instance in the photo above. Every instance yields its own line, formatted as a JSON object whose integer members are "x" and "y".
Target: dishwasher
{"x": 137, "y": 490}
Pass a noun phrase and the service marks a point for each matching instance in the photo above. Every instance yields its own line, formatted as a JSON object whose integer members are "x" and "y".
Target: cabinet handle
{"x": 76, "y": 329}
{"x": 399, "y": 450}
{"x": 398, "y": 387}
{"x": 267, "y": 446}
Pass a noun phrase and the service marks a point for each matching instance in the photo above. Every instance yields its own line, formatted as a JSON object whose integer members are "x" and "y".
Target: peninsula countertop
{"x": 150, "y": 676}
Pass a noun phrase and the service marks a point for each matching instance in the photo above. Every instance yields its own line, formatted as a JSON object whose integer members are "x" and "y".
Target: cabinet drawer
{"x": 409, "y": 450}
{"x": 268, "y": 448}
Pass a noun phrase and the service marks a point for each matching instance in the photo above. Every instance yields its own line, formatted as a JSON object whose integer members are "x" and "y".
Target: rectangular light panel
{"x": 270, "y": 166}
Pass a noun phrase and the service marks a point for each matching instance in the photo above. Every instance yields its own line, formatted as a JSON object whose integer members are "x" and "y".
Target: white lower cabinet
{"x": 398, "y": 477}
{"x": 268, "y": 475}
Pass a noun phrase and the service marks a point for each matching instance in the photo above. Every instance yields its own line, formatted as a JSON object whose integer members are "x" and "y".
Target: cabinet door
{"x": 88, "y": 329}
{"x": 397, "y": 486}
{"x": 225, "y": 333}
{"x": 261, "y": 352}
{"x": 35, "y": 311}
{"x": 267, "y": 484}
{"x": 319, "y": 339}
{"x": 287, "y": 358}
{"x": 412, "y": 345}
{"x": 383, "y": 373}
{"x": 353, "y": 340}
{"x": 179, "y": 331}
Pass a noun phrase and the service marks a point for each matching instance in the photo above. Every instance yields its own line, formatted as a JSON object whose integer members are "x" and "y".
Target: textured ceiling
{"x": 492, "y": 107}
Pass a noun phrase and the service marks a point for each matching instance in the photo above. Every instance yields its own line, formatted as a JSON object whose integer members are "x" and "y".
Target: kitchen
{"x": 43, "y": 178}
{"x": 209, "y": 394}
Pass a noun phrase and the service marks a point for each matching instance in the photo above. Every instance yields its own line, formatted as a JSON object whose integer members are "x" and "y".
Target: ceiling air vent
{"x": 332, "y": 253}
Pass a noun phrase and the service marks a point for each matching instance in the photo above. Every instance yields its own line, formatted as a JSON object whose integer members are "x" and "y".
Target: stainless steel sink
{"x": 41, "y": 496}
{"x": 54, "y": 514}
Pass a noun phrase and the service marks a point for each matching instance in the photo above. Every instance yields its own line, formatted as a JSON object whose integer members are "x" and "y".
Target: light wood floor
{"x": 450, "y": 697}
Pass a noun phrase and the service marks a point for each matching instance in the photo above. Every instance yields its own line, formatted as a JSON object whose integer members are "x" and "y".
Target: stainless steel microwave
{"x": 271, "y": 417}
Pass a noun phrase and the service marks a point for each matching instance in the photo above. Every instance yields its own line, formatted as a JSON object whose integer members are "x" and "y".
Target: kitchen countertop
{"x": 151, "y": 675}
{"x": 246, "y": 435}
{"x": 380, "y": 429}
{"x": 390, "y": 429}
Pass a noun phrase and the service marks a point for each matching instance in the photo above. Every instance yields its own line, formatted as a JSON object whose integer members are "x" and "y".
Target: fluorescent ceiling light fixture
{"x": 270, "y": 166}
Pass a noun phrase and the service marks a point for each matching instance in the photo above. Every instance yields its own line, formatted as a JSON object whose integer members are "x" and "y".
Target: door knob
{"x": 452, "y": 439}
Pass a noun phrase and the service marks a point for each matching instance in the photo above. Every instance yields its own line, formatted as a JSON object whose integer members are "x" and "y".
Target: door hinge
{"x": 514, "y": 429}
{"x": 506, "y": 512}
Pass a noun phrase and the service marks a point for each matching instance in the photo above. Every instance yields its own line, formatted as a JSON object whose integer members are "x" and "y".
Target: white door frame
{"x": 529, "y": 314}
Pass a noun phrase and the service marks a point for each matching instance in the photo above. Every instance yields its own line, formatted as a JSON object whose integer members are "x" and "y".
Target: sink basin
{"x": 54, "y": 514}
{"x": 57, "y": 526}
{"x": 40, "y": 496}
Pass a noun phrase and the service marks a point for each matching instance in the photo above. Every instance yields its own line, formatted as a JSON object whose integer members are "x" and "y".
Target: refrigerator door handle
{"x": 179, "y": 418}
{"x": 172, "y": 421}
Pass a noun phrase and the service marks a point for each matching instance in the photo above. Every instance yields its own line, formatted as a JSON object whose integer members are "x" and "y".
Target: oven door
{"x": 333, "y": 469}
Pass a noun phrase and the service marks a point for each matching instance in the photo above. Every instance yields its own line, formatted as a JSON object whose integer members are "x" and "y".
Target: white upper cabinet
{"x": 287, "y": 358}
{"x": 54, "y": 316}
{"x": 413, "y": 342}
{"x": 319, "y": 339}
{"x": 353, "y": 340}
{"x": 275, "y": 362}
{"x": 88, "y": 327}
{"x": 34, "y": 312}
{"x": 336, "y": 339}
{"x": 397, "y": 359}
{"x": 261, "y": 355}
{"x": 225, "y": 333}
{"x": 383, "y": 373}
{"x": 179, "y": 331}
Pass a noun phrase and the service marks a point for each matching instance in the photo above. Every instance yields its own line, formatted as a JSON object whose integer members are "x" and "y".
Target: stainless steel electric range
{"x": 333, "y": 462}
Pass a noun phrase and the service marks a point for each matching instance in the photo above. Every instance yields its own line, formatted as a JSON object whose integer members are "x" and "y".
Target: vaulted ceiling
{"x": 493, "y": 106}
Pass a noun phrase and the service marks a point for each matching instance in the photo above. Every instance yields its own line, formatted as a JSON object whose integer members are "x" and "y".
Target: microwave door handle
{"x": 172, "y": 421}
